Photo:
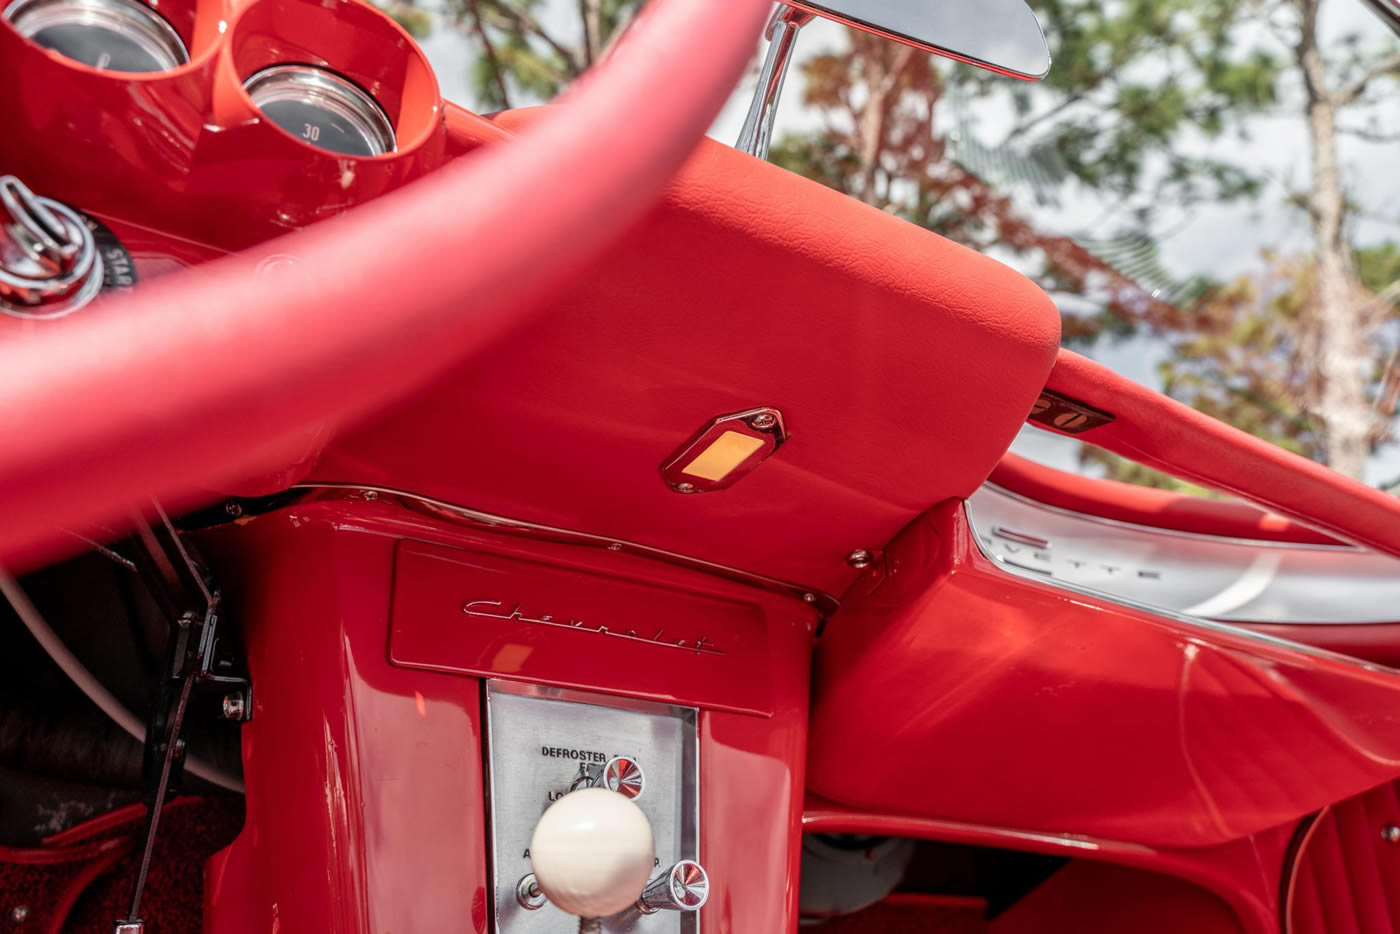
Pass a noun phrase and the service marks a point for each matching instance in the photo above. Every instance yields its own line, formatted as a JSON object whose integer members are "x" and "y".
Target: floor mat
{"x": 79, "y": 881}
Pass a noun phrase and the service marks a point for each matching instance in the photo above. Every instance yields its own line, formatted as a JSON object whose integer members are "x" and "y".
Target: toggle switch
{"x": 621, "y": 774}
{"x": 683, "y": 887}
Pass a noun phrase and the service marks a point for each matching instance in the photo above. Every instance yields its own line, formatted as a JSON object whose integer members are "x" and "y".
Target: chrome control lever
{"x": 683, "y": 887}
{"x": 621, "y": 774}
{"x": 49, "y": 263}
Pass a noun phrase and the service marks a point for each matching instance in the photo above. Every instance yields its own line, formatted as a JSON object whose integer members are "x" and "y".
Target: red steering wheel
{"x": 200, "y": 376}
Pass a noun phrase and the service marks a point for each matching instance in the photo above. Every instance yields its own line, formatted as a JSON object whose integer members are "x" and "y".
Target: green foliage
{"x": 523, "y": 60}
{"x": 417, "y": 22}
{"x": 1378, "y": 267}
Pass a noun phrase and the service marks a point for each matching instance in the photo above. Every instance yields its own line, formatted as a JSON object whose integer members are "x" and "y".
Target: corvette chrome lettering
{"x": 485, "y": 608}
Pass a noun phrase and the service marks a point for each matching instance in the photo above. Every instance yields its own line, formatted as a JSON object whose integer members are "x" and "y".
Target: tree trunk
{"x": 882, "y": 80}
{"x": 1338, "y": 351}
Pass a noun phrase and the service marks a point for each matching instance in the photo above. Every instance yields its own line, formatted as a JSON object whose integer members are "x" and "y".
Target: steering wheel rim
{"x": 185, "y": 383}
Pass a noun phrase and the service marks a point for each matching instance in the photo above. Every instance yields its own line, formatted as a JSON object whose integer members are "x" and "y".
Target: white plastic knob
{"x": 592, "y": 852}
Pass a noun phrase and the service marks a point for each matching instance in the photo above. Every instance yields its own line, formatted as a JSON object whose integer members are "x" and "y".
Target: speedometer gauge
{"x": 111, "y": 35}
{"x": 321, "y": 108}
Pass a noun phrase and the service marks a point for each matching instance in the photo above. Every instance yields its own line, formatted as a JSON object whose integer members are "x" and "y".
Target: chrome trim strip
{"x": 824, "y": 603}
{"x": 1178, "y": 533}
{"x": 1198, "y": 575}
{"x": 1189, "y": 622}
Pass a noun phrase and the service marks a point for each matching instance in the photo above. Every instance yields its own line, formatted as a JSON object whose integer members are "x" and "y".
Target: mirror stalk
{"x": 757, "y": 133}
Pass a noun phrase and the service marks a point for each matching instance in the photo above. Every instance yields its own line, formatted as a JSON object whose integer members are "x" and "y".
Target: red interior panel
{"x": 1140, "y": 505}
{"x": 1097, "y": 898}
{"x": 1162, "y": 433}
{"x": 1375, "y": 642}
{"x": 1086, "y": 716}
{"x": 1348, "y": 872}
{"x": 483, "y": 614}
{"x": 1243, "y": 873}
{"x": 365, "y": 787}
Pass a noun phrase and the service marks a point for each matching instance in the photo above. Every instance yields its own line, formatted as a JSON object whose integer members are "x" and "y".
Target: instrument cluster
{"x": 312, "y": 102}
{"x": 217, "y": 124}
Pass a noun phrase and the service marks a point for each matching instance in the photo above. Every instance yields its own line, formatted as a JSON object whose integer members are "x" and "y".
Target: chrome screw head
{"x": 234, "y": 707}
{"x": 1390, "y": 833}
{"x": 233, "y": 509}
{"x": 615, "y": 546}
{"x": 528, "y": 894}
{"x": 685, "y": 488}
{"x": 370, "y": 496}
{"x": 20, "y": 914}
{"x": 809, "y": 598}
{"x": 763, "y": 421}
{"x": 860, "y": 558}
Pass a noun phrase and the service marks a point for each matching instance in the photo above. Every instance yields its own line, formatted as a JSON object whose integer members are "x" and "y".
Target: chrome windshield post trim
{"x": 757, "y": 134}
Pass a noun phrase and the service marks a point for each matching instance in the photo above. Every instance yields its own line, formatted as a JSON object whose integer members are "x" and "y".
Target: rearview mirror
{"x": 999, "y": 35}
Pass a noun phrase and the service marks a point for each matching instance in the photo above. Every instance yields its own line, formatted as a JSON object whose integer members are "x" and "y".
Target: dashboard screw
{"x": 234, "y": 708}
{"x": 1390, "y": 833}
{"x": 809, "y": 598}
{"x": 233, "y": 509}
{"x": 685, "y": 488}
{"x": 763, "y": 421}
{"x": 20, "y": 913}
{"x": 860, "y": 558}
{"x": 369, "y": 495}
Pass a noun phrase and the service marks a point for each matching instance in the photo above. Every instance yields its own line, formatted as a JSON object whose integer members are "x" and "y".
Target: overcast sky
{"x": 1222, "y": 241}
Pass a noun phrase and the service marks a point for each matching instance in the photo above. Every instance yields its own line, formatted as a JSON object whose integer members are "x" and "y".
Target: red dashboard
{"x": 507, "y": 519}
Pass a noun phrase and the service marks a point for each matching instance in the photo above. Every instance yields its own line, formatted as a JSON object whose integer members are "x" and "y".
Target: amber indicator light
{"x": 725, "y": 451}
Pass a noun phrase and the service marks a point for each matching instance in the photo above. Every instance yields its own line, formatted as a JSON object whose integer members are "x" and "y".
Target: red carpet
{"x": 79, "y": 881}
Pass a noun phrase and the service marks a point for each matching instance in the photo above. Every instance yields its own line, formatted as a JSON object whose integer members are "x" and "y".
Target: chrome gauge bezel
{"x": 133, "y": 21}
{"x": 328, "y": 91}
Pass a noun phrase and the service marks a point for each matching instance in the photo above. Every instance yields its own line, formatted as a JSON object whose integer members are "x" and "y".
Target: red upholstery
{"x": 903, "y": 362}
{"x": 1126, "y": 502}
{"x": 1164, "y": 434}
{"x": 1347, "y": 878}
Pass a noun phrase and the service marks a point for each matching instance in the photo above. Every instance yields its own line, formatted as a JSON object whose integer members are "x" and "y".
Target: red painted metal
{"x": 1086, "y": 717}
{"x": 482, "y": 614}
{"x": 365, "y": 807}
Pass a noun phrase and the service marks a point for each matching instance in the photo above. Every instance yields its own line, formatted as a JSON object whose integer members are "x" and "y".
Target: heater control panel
{"x": 543, "y": 743}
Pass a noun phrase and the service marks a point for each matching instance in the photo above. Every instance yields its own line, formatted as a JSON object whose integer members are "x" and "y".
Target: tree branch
{"x": 493, "y": 61}
{"x": 1347, "y": 93}
{"x": 1370, "y": 135}
{"x": 591, "y": 13}
{"x": 523, "y": 20}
